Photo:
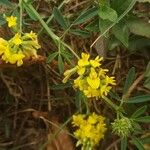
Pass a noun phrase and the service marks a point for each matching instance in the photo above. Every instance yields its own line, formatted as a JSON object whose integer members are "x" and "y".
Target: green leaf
{"x": 90, "y": 13}
{"x": 67, "y": 55}
{"x": 129, "y": 80}
{"x": 93, "y": 26}
{"x": 139, "y": 112}
{"x": 146, "y": 140}
{"x": 147, "y": 72}
{"x": 59, "y": 17}
{"x": 6, "y": 3}
{"x": 114, "y": 95}
{"x": 143, "y": 1}
{"x": 136, "y": 141}
{"x": 104, "y": 25}
{"x": 82, "y": 33}
{"x": 138, "y": 43}
{"x": 124, "y": 144}
{"x": 65, "y": 52}
{"x": 60, "y": 64}
{"x": 51, "y": 57}
{"x": 2, "y": 20}
{"x": 108, "y": 13}
{"x": 120, "y": 30}
{"x": 138, "y": 99}
{"x": 113, "y": 42}
{"x": 147, "y": 83}
{"x": 120, "y": 5}
{"x": 145, "y": 119}
{"x": 29, "y": 12}
{"x": 78, "y": 100}
{"x": 139, "y": 27}
{"x": 29, "y": 1}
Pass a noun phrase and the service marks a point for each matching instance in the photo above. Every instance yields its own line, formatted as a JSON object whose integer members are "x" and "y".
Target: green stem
{"x": 52, "y": 35}
{"x": 108, "y": 101}
{"x": 86, "y": 104}
{"x": 20, "y": 19}
{"x": 55, "y": 38}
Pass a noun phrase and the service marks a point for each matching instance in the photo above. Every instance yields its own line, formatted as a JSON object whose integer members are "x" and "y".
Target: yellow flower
{"x": 31, "y": 35}
{"x": 81, "y": 70}
{"x": 84, "y": 60}
{"x": 6, "y": 55}
{"x": 90, "y": 92}
{"x": 30, "y": 44}
{"x": 3, "y": 45}
{"x": 80, "y": 83}
{"x": 104, "y": 90}
{"x": 16, "y": 39}
{"x": 102, "y": 72}
{"x": 17, "y": 58}
{"x": 78, "y": 119}
{"x": 90, "y": 129}
{"x": 12, "y": 21}
{"x": 96, "y": 63}
{"x": 69, "y": 73}
{"x": 110, "y": 80}
{"x": 13, "y": 58}
{"x": 93, "y": 80}
{"x": 92, "y": 119}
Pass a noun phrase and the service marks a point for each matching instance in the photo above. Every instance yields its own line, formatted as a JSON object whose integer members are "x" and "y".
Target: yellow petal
{"x": 81, "y": 70}
{"x": 94, "y": 83}
{"x": 94, "y": 63}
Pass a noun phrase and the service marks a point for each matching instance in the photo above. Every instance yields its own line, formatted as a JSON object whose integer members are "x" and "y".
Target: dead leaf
{"x": 62, "y": 141}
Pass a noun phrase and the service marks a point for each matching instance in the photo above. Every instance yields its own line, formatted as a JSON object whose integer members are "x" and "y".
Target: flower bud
{"x": 122, "y": 127}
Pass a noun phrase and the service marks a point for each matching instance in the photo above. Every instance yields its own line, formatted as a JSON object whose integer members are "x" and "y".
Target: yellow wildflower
{"x": 102, "y": 72}
{"x": 104, "y": 89}
{"x": 17, "y": 58}
{"x": 3, "y": 45}
{"x": 80, "y": 83}
{"x": 78, "y": 119}
{"x": 6, "y": 55}
{"x": 12, "y": 21}
{"x": 81, "y": 70}
{"x": 110, "y": 80}
{"x": 18, "y": 47}
{"x": 96, "y": 63}
{"x": 84, "y": 60}
{"x": 93, "y": 80}
{"x": 13, "y": 58}
{"x": 31, "y": 35}
{"x": 68, "y": 74}
{"x": 90, "y": 92}
{"x": 90, "y": 129}
{"x": 17, "y": 39}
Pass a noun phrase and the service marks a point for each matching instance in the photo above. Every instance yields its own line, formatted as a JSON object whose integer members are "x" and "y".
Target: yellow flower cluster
{"x": 90, "y": 129}
{"x": 92, "y": 79}
{"x": 18, "y": 47}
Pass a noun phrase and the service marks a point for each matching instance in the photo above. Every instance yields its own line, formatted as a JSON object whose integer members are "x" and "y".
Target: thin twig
{"x": 113, "y": 144}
